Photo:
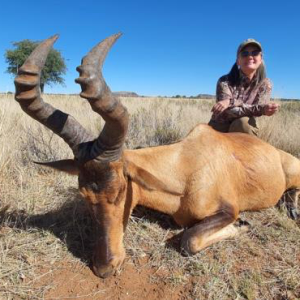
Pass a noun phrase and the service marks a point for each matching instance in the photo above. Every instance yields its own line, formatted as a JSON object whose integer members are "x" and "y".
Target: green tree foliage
{"x": 54, "y": 68}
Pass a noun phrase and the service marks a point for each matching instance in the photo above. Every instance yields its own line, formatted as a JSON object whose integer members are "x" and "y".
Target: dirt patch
{"x": 69, "y": 280}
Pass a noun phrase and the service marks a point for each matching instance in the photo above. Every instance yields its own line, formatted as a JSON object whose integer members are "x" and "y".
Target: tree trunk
{"x": 42, "y": 87}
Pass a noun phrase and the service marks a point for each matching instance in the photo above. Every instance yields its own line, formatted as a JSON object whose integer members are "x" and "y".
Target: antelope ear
{"x": 147, "y": 180}
{"x": 66, "y": 165}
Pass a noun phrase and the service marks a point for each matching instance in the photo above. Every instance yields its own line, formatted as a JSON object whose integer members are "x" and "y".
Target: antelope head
{"x": 97, "y": 161}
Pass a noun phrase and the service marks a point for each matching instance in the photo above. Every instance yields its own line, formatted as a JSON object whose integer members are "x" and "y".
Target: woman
{"x": 244, "y": 93}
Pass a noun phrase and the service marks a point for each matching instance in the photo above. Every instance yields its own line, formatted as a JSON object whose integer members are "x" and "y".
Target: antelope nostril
{"x": 103, "y": 272}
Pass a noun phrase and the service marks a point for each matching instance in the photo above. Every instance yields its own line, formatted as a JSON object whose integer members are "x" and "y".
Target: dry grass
{"x": 44, "y": 221}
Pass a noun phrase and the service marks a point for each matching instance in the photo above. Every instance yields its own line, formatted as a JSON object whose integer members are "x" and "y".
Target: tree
{"x": 54, "y": 68}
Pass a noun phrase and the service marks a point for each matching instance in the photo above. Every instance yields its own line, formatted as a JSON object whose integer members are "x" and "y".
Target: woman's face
{"x": 249, "y": 59}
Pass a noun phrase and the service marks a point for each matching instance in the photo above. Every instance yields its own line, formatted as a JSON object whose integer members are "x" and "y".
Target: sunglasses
{"x": 250, "y": 53}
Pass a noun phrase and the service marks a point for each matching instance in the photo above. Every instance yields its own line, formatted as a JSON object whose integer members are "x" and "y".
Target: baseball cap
{"x": 246, "y": 43}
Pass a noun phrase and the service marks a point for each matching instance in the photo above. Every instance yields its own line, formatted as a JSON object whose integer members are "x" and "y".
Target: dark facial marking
{"x": 95, "y": 176}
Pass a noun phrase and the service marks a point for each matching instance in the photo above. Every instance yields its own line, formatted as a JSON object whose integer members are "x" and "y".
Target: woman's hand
{"x": 220, "y": 106}
{"x": 271, "y": 108}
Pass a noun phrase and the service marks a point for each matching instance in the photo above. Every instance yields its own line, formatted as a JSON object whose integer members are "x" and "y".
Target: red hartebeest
{"x": 203, "y": 181}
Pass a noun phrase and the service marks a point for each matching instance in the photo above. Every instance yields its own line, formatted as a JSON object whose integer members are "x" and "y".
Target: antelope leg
{"x": 210, "y": 230}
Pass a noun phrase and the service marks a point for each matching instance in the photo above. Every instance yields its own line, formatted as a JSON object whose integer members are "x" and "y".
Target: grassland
{"x": 44, "y": 223}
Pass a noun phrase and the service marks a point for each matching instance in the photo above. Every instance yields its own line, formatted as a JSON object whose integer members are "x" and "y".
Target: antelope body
{"x": 203, "y": 181}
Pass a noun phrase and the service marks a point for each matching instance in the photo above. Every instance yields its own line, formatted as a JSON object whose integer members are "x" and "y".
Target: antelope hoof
{"x": 293, "y": 213}
{"x": 188, "y": 245}
{"x": 242, "y": 225}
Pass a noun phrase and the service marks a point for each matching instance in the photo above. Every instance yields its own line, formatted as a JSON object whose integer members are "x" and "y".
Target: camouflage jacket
{"x": 247, "y": 99}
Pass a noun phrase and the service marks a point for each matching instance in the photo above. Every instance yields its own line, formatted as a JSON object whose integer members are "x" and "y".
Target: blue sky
{"x": 167, "y": 47}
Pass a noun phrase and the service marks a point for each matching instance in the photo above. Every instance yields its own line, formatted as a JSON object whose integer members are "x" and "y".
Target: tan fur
{"x": 193, "y": 180}
{"x": 208, "y": 165}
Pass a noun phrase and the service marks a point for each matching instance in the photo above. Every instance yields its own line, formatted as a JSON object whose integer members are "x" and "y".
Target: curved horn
{"x": 108, "y": 146}
{"x": 28, "y": 95}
